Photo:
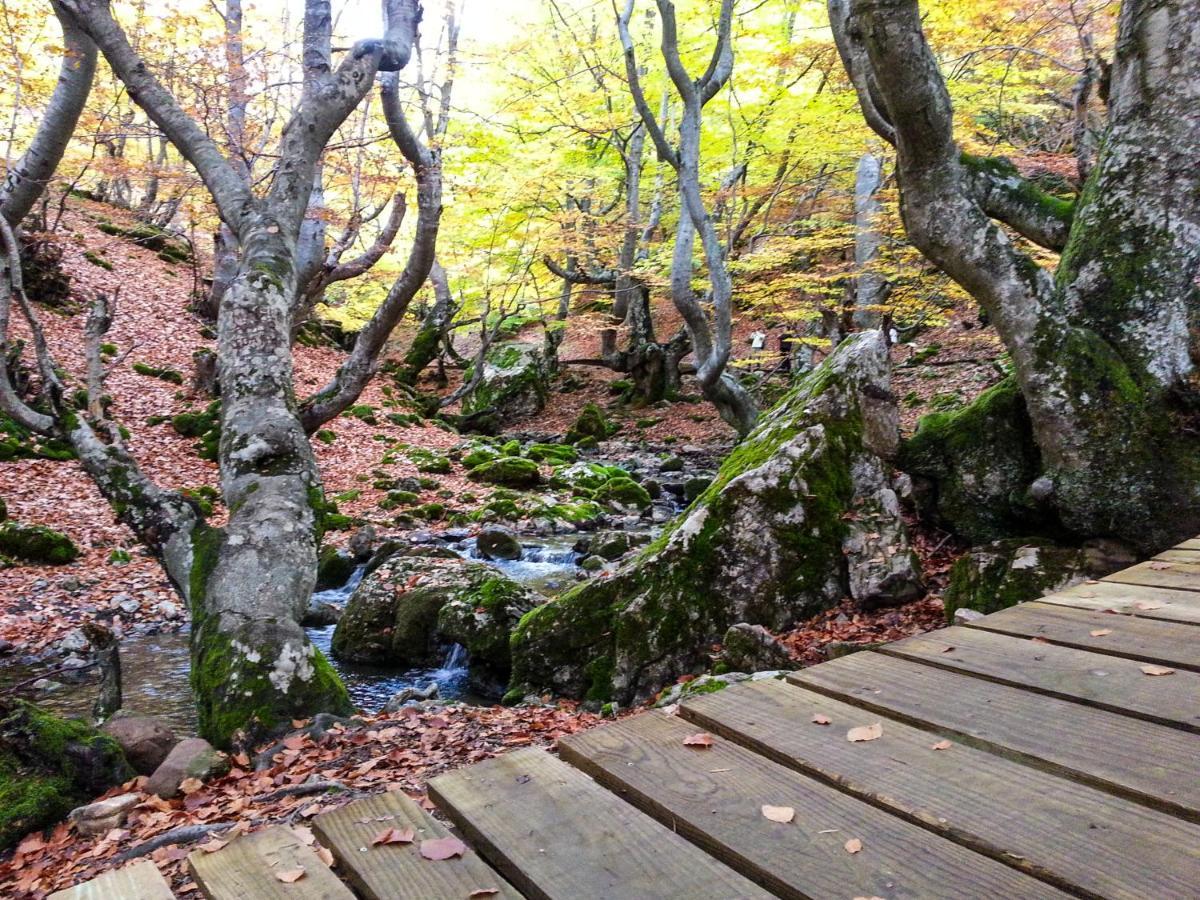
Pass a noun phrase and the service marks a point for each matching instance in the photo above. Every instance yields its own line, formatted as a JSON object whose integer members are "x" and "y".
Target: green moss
{"x": 325, "y": 436}
{"x": 160, "y": 372}
{"x": 1023, "y": 189}
{"x": 18, "y": 442}
{"x": 363, "y": 413}
{"x": 591, "y": 423}
{"x": 508, "y": 471}
{"x": 97, "y": 260}
{"x": 623, "y": 491}
{"x": 429, "y": 461}
{"x": 36, "y": 544}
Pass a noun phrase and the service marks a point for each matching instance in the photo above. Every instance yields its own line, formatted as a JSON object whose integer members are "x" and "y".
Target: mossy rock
{"x": 411, "y": 607}
{"x": 591, "y": 423}
{"x": 429, "y": 461}
{"x": 510, "y": 471}
{"x": 514, "y": 384}
{"x": 764, "y": 544}
{"x": 979, "y": 463}
{"x": 18, "y": 442}
{"x": 334, "y": 568}
{"x": 36, "y": 544}
{"x": 480, "y": 454}
{"x": 162, "y": 373}
{"x": 623, "y": 491}
{"x": 48, "y": 766}
{"x": 1004, "y": 573}
{"x": 555, "y": 454}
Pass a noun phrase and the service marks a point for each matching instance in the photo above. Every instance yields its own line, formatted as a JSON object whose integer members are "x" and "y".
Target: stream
{"x": 154, "y": 667}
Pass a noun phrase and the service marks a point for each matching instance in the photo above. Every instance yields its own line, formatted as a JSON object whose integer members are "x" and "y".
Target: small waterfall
{"x": 455, "y": 661}
{"x": 339, "y": 595}
{"x": 558, "y": 556}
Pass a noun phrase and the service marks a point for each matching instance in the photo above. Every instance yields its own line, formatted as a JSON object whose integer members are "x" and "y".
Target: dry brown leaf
{"x": 394, "y": 836}
{"x": 1101, "y": 632}
{"x": 781, "y": 814}
{"x": 290, "y": 876}
{"x": 941, "y": 745}
{"x": 1146, "y": 605}
{"x": 821, "y": 719}
{"x": 865, "y": 733}
{"x": 212, "y": 845}
{"x": 442, "y": 848}
{"x": 703, "y": 739}
{"x": 854, "y": 845}
{"x": 483, "y": 892}
{"x": 1160, "y": 566}
{"x": 326, "y": 856}
{"x": 1157, "y": 670}
{"x": 190, "y": 785}
{"x": 948, "y": 649}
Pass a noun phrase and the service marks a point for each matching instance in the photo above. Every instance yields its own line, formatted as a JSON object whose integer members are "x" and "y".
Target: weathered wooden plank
{"x": 1139, "y": 639}
{"x": 250, "y": 867}
{"x": 138, "y": 881}
{"x": 398, "y": 871}
{"x": 1072, "y": 835}
{"x": 1176, "y": 554}
{"x": 1180, "y": 576}
{"x": 553, "y": 832}
{"x": 1192, "y": 544}
{"x": 1106, "y": 682}
{"x": 1150, "y": 763}
{"x": 714, "y": 797}
{"x": 1128, "y": 599}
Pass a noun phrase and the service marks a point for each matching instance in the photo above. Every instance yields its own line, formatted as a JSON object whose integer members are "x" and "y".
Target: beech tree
{"x": 711, "y": 338}
{"x": 1104, "y": 347}
{"x": 248, "y": 582}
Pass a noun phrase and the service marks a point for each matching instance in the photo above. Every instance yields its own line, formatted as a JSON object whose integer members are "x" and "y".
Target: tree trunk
{"x": 428, "y": 339}
{"x": 1105, "y": 349}
{"x": 870, "y": 288}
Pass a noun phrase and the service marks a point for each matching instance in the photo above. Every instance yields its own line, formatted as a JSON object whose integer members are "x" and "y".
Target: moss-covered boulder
{"x": 623, "y": 492}
{"x": 49, "y": 766}
{"x": 334, "y": 568}
{"x": 592, "y": 423}
{"x": 514, "y": 383}
{"x": 1005, "y": 573}
{"x": 769, "y": 543}
{"x": 410, "y": 608}
{"x": 509, "y": 471}
{"x": 555, "y": 454}
{"x": 977, "y": 465}
{"x": 36, "y": 544}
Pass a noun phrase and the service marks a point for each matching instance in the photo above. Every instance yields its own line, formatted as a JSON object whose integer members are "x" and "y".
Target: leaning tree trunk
{"x": 1104, "y": 349}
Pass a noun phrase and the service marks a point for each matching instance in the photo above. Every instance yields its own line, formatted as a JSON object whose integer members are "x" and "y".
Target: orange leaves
{"x": 702, "y": 740}
{"x": 290, "y": 876}
{"x": 393, "y": 836}
{"x": 442, "y": 848}
{"x": 941, "y": 745}
{"x": 854, "y": 845}
{"x": 821, "y": 719}
{"x": 1101, "y": 632}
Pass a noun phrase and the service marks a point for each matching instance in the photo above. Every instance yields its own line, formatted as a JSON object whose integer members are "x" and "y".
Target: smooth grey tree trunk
{"x": 870, "y": 288}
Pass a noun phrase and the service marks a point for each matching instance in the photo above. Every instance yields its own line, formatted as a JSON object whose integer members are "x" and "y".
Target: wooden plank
{"x": 398, "y": 871}
{"x": 249, "y": 866}
{"x": 138, "y": 881}
{"x": 1175, "y": 554}
{"x": 553, "y": 832}
{"x": 1174, "y": 575}
{"x": 1145, "y": 640}
{"x": 1193, "y": 544}
{"x": 1072, "y": 835}
{"x": 1127, "y": 599}
{"x": 1106, "y": 682}
{"x": 715, "y": 797}
{"x": 1150, "y": 763}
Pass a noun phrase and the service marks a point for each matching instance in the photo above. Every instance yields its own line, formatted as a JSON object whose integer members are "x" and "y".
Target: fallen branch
{"x": 301, "y": 790}
{"x": 185, "y": 834}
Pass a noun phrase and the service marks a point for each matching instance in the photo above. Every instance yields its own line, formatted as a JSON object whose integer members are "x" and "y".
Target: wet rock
{"x": 145, "y": 740}
{"x": 103, "y": 815}
{"x": 751, "y": 648}
{"x": 410, "y": 607}
{"x": 74, "y": 641}
{"x": 319, "y": 614}
{"x": 411, "y": 695}
{"x": 592, "y": 563}
{"x": 168, "y": 610}
{"x": 190, "y": 758}
{"x": 497, "y": 542}
{"x": 334, "y": 568}
{"x": 362, "y": 542}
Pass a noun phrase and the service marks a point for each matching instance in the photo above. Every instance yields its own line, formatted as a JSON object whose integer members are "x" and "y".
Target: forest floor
{"x": 41, "y": 604}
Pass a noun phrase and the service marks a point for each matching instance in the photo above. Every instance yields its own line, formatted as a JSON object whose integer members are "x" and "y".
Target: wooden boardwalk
{"x": 1048, "y": 750}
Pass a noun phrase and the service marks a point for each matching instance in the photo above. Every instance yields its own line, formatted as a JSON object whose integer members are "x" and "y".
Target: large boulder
{"x": 976, "y": 469}
{"x": 498, "y": 542}
{"x": 1005, "y": 573}
{"x": 49, "y": 766}
{"x": 802, "y": 500}
{"x": 36, "y": 544}
{"x": 514, "y": 383}
{"x": 410, "y": 608}
{"x": 190, "y": 758}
